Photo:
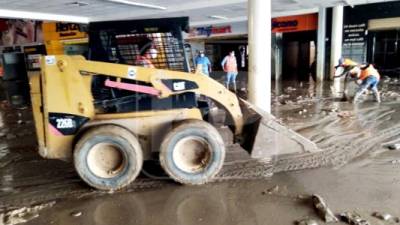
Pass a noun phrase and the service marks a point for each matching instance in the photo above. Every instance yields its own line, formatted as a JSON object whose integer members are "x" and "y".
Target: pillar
{"x": 321, "y": 45}
{"x": 337, "y": 37}
{"x": 277, "y": 52}
{"x": 336, "y": 48}
{"x": 259, "y": 25}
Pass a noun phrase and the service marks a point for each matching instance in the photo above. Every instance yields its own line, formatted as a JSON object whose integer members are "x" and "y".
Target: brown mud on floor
{"x": 369, "y": 183}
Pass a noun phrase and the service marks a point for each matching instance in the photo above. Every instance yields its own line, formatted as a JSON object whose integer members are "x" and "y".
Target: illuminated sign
{"x": 295, "y": 23}
{"x": 209, "y": 31}
{"x": 63, "y": 31}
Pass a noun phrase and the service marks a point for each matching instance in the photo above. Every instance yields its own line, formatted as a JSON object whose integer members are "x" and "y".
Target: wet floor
{"x": 353, "y": 172}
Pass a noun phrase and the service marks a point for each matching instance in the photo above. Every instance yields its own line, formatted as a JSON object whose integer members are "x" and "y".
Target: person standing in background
{"x": 229, "y": 65}
{"x": 203, "y": 61}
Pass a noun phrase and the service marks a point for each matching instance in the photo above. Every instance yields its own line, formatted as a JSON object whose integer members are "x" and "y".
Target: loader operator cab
{"x": 127, "y": 42}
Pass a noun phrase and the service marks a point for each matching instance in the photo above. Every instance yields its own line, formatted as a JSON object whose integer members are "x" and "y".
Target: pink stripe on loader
{"x": 132, "y": 87}
{"x": 54, "y": 131}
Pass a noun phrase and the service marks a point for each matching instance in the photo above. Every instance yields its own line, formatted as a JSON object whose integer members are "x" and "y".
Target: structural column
{"x": 259, "y": 25}
{"x": 277, "y": 54}
{"x": 321, "y": 45}
{"x": 337, "y": 37}
{"x": 336, "y": 48}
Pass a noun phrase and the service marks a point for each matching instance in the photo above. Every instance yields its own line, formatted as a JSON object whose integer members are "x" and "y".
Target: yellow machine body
{"x": 63, "y": 87}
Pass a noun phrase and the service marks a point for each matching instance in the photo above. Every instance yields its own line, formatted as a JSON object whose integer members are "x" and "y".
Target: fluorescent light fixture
{"x": 218, "y": 17}
{"x": 5, "y": 13}
{"x": 126, "y": 2}
{"x": 214, "y": 22}
{"x": 79, "y": 4}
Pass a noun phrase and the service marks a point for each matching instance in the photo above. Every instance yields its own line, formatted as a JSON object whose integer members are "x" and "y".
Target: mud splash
{"x": 24, "y": 214}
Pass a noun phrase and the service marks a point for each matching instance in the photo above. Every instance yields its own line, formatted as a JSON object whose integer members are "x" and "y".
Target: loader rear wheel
{"x": 108, "y": 157}
{"x": 192, "y": 153}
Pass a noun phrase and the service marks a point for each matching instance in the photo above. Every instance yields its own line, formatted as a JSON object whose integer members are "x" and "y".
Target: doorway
{"x": 385, "y": 51}
{"x": 298, "y": 55}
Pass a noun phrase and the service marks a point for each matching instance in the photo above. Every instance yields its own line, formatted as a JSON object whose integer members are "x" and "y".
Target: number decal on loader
{"x": 65, "y": 123}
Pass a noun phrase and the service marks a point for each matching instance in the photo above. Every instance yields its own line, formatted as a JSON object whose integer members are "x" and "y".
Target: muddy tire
{"x": 192, "y": 153}
{"x": 108, "y": 157}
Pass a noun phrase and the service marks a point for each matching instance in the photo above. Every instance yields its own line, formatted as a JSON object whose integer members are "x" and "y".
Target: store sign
{"x": 210, "y": 30}
{"x": 63, "y": 31}
{"x": 354, "y": 34}
{"x": 295, "y": 23}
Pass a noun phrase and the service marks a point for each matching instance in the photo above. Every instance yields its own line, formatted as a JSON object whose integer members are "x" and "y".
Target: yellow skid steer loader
{"x": 108, "y": 118}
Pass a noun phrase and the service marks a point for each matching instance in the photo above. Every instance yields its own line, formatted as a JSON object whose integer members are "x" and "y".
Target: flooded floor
{"x": 354, "y": 172}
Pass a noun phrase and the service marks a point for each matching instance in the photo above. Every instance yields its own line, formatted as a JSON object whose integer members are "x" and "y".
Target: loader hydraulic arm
{"x": 164, "y": 83}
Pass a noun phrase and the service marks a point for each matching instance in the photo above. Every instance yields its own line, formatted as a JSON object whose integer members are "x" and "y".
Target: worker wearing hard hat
{"x": 347, "y": 62}
{"x": 367, "y": 77}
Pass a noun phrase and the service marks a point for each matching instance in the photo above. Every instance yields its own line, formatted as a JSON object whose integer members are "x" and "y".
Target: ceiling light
{"x": 5, "y": 13}
{"x": 77, "y": 4}
{"x": 218, "y": 17}
{"x": 126, "y": 2}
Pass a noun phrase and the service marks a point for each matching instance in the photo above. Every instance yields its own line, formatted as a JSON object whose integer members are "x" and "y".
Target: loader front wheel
{"x": 108, "y": 157}
{"x": 192, "y": 153}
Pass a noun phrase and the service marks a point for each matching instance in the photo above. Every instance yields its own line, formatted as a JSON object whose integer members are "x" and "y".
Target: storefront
{"x": 374, "y": 36}
{"x": 293, "y": 44}
{"x": 218, "y": 41}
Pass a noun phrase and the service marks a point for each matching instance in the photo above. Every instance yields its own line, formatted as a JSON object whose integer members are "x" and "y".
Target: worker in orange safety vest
{"x": 367, "y": 77}
{"x": 229, "y": 65}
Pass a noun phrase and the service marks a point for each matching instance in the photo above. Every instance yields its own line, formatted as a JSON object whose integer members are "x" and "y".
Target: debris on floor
{"x": 277, "y": 190}
{"x": 390, "y": 94}
{"x": 273, "y": 189}
{"x": 395, "y": 146}
{"x": 386, "y": 217}
{"x": 290, "y": 89}
{"x": 307, "y": 222}
{"x": 76, "y": 214}
{"x": 397, "y": 161}
{"x": 345, "y": 114}
{"x": 24, "y": 214}
{"x": 10, "y": 136}
{"x": 322, "y": 208}
{"x": 353, "y": 218}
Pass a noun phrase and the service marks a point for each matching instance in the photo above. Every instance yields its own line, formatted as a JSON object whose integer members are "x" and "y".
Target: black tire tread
{"x": 111, "y": 130}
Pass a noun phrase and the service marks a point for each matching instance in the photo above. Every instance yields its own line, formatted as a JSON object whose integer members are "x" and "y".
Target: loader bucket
{"x": 264, "y": 136}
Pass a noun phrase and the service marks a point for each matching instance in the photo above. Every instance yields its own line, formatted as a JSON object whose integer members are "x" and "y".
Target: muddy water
{"x": 354, "y": 172}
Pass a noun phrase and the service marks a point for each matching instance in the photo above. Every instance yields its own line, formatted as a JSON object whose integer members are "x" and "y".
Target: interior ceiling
{"x": 200, "y": 12}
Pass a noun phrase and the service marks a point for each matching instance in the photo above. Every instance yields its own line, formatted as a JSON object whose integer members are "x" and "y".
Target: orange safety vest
{"x": 230, "y": 64}
{"x": 369, "y": 71}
